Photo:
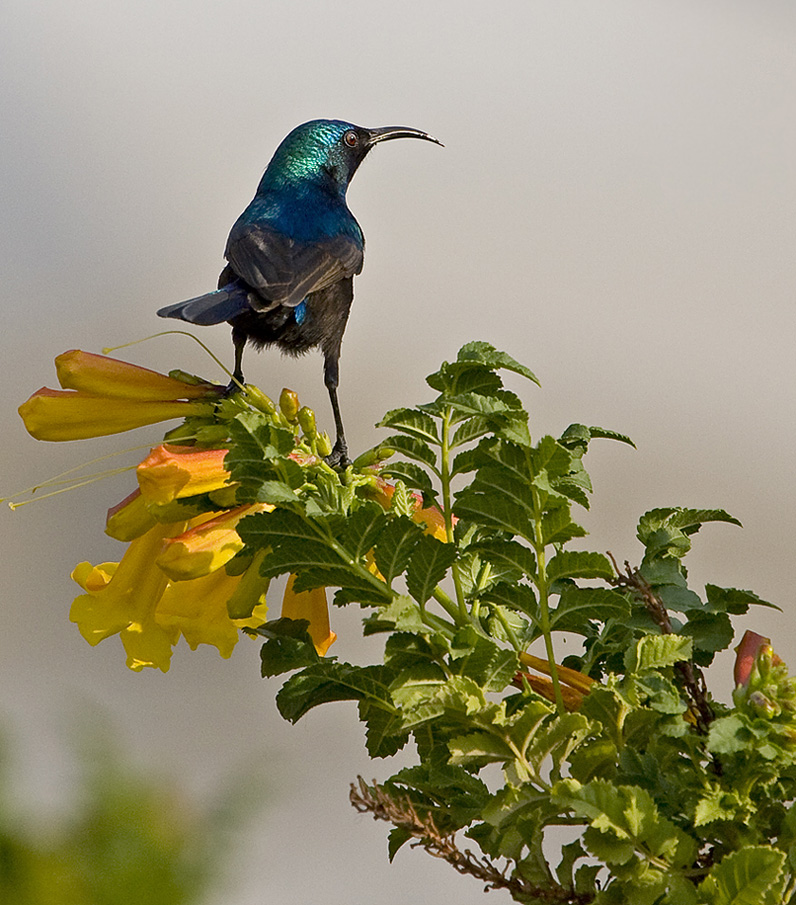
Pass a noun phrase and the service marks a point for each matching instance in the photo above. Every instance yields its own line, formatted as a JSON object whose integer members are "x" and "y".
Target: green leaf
{"x": 489, "y": 665}
{"x": 558, "y": 527}
{"x": 414, "y": 423}
{"x": 479, "y": 749}
{"x": 412, "y": 448}
{"x": 751, "y": 876}
{"x": 656, "y": 651}
{"x": 579, "y": 605}
{"x": 385, "y": 734}
{"x": 624, "y": 820}
{"x": 734, "y": 601}
{"x": 288, "y": 647}
{"x": 428, "y": 565}
{"x": 411, "y": 474}
{"x": 499, "y": 513}
{"x": 464, "y": 377}
{"x": 710, "y": 632}
{"x": 577, "y": 564}
{"x": 507, "y": 554}
{"x": 363, "y": 528}
{"x": 395, "y": 546}
{"x": 518, "y": 597}
{"x": 402, "y": 615}
{"x": 332, "y": 681}
{"x": 397, "y": 837}
{"x": 470, "y": 430}
{"x": 487, "y": 354}
{"x": 602, "y": 433}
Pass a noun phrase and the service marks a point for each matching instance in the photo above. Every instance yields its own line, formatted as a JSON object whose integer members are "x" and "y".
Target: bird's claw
{"x": 338, "y": 457}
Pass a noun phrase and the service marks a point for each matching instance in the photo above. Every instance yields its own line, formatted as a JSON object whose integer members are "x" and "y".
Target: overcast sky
{"x": 615, "y": 206}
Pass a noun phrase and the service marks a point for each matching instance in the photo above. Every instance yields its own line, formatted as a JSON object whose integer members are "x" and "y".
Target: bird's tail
{"x": 212, "y": 308}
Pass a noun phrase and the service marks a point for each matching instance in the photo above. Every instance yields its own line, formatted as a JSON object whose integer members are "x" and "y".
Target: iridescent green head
{"x": 329, "y": 150}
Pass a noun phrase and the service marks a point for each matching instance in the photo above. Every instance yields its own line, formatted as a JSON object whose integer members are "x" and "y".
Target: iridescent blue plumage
{"x": 294, "y": 251}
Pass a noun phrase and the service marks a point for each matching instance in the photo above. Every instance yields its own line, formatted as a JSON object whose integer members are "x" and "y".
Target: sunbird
{"x": 293, "y": 253}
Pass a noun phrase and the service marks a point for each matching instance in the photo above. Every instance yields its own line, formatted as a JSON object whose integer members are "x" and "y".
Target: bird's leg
{"x": 339, "y": 454}
{"x": 239, "y": 342}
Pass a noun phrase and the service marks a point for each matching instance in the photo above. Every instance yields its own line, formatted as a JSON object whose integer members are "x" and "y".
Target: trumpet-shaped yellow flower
{"x": 99, "y": 375}
{"x": 136, "y": 600}
{"x": 174, "y": 472}
{"x": 129, "y": 519}
{"x": 58, "y": 415}
{"x": 125, "y": 603}
{"x": 207, "y": 545}
{"x": 312, "y": 606}
{"x": 102, "y": 396}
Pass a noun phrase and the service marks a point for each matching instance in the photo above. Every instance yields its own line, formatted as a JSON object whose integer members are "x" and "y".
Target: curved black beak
{"x": 386, "y": 133}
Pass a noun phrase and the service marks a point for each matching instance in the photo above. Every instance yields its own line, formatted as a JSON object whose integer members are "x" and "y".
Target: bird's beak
{"x": 386, "y": 133}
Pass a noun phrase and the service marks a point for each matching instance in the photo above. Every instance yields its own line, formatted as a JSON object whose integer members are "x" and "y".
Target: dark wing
{"x": 283, "y": 271}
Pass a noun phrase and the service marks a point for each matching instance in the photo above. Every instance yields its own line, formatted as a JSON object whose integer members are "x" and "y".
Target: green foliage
{"x": 459, "y": 537}
{"x": 129, "y": 838}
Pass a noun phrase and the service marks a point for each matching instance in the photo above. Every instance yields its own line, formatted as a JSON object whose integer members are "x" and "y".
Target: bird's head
{"x": 331, "y": 150}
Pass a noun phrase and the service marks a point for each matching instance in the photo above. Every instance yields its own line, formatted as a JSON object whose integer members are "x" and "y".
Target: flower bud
{"x": 256, "y": 397}
{"x": 323, "y": 444}
{"x": 306, "y": 418}
{"x": 289, "y": 404}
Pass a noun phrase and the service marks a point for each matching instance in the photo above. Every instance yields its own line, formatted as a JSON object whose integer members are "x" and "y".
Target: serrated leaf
{"x": 579, "y": 605}
{"x": 490, "y": 356}
{"x": 656, "y": 651}
{"x": 751, "y": 876}
{"x": 396, "y": 838}
{"x": 466, "y": 405}
{"x": 558, "y": 527}
{"x": 395, "y": 546}
{"x": 500, "y": 514}
{"x": 515, "y": 596}
{"x": 623, "y": 819}
{"x": 412, "y": 448}
{"x": 507, "y": 554}
{"x": 464, "y": 377}
{"x": 578, "y": 564}
{"x": 288, "y": 647}
{"x": 385, "y": 734}
{"x": 428, "y": 565}
{"x": 363, "y": 527}
{"x": 411, "y": 474}
{"x": 470, "y": 430}
{"x": 414, "y": 423}
{"x": 332, "y": 681}
{"x": 733, "y": 600}
{"x": 602, "y": 433}
{"x": 479, "y": 749}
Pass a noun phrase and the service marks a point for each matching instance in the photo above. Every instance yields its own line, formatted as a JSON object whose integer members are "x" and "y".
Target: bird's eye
{"x": 351, "y": 138}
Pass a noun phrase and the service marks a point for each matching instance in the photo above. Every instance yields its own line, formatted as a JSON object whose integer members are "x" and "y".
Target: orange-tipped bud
{"x": 172, "y": 472}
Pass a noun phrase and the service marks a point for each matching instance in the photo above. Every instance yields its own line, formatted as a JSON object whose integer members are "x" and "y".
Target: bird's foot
{"x": 338, "y": 457}
{"x": 234, "y": 386}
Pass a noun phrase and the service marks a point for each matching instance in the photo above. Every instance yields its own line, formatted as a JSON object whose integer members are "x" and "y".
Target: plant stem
{"x": 445, "y": 478}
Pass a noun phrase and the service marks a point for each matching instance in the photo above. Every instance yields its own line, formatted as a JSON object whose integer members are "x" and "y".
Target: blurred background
{"x": 615, "y": 206}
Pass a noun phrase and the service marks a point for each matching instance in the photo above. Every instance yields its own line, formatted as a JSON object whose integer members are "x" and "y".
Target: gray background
{"x": 614, "y": 207}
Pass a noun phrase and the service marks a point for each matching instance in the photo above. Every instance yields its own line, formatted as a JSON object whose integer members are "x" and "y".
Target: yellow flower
{"x": 99, "y": 375}
{"x": 123, "y": 600}
{"x": 136, "y": 600}
{"x": 312, "y": 606}
{"x": 129, "y": 519}
{"x": 101, "y": 396}
{"x": 173, "y": 472}
{"x": 207, "y": 545}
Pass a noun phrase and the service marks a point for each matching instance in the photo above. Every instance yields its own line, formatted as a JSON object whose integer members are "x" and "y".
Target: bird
{"x": 293, "y": 253}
